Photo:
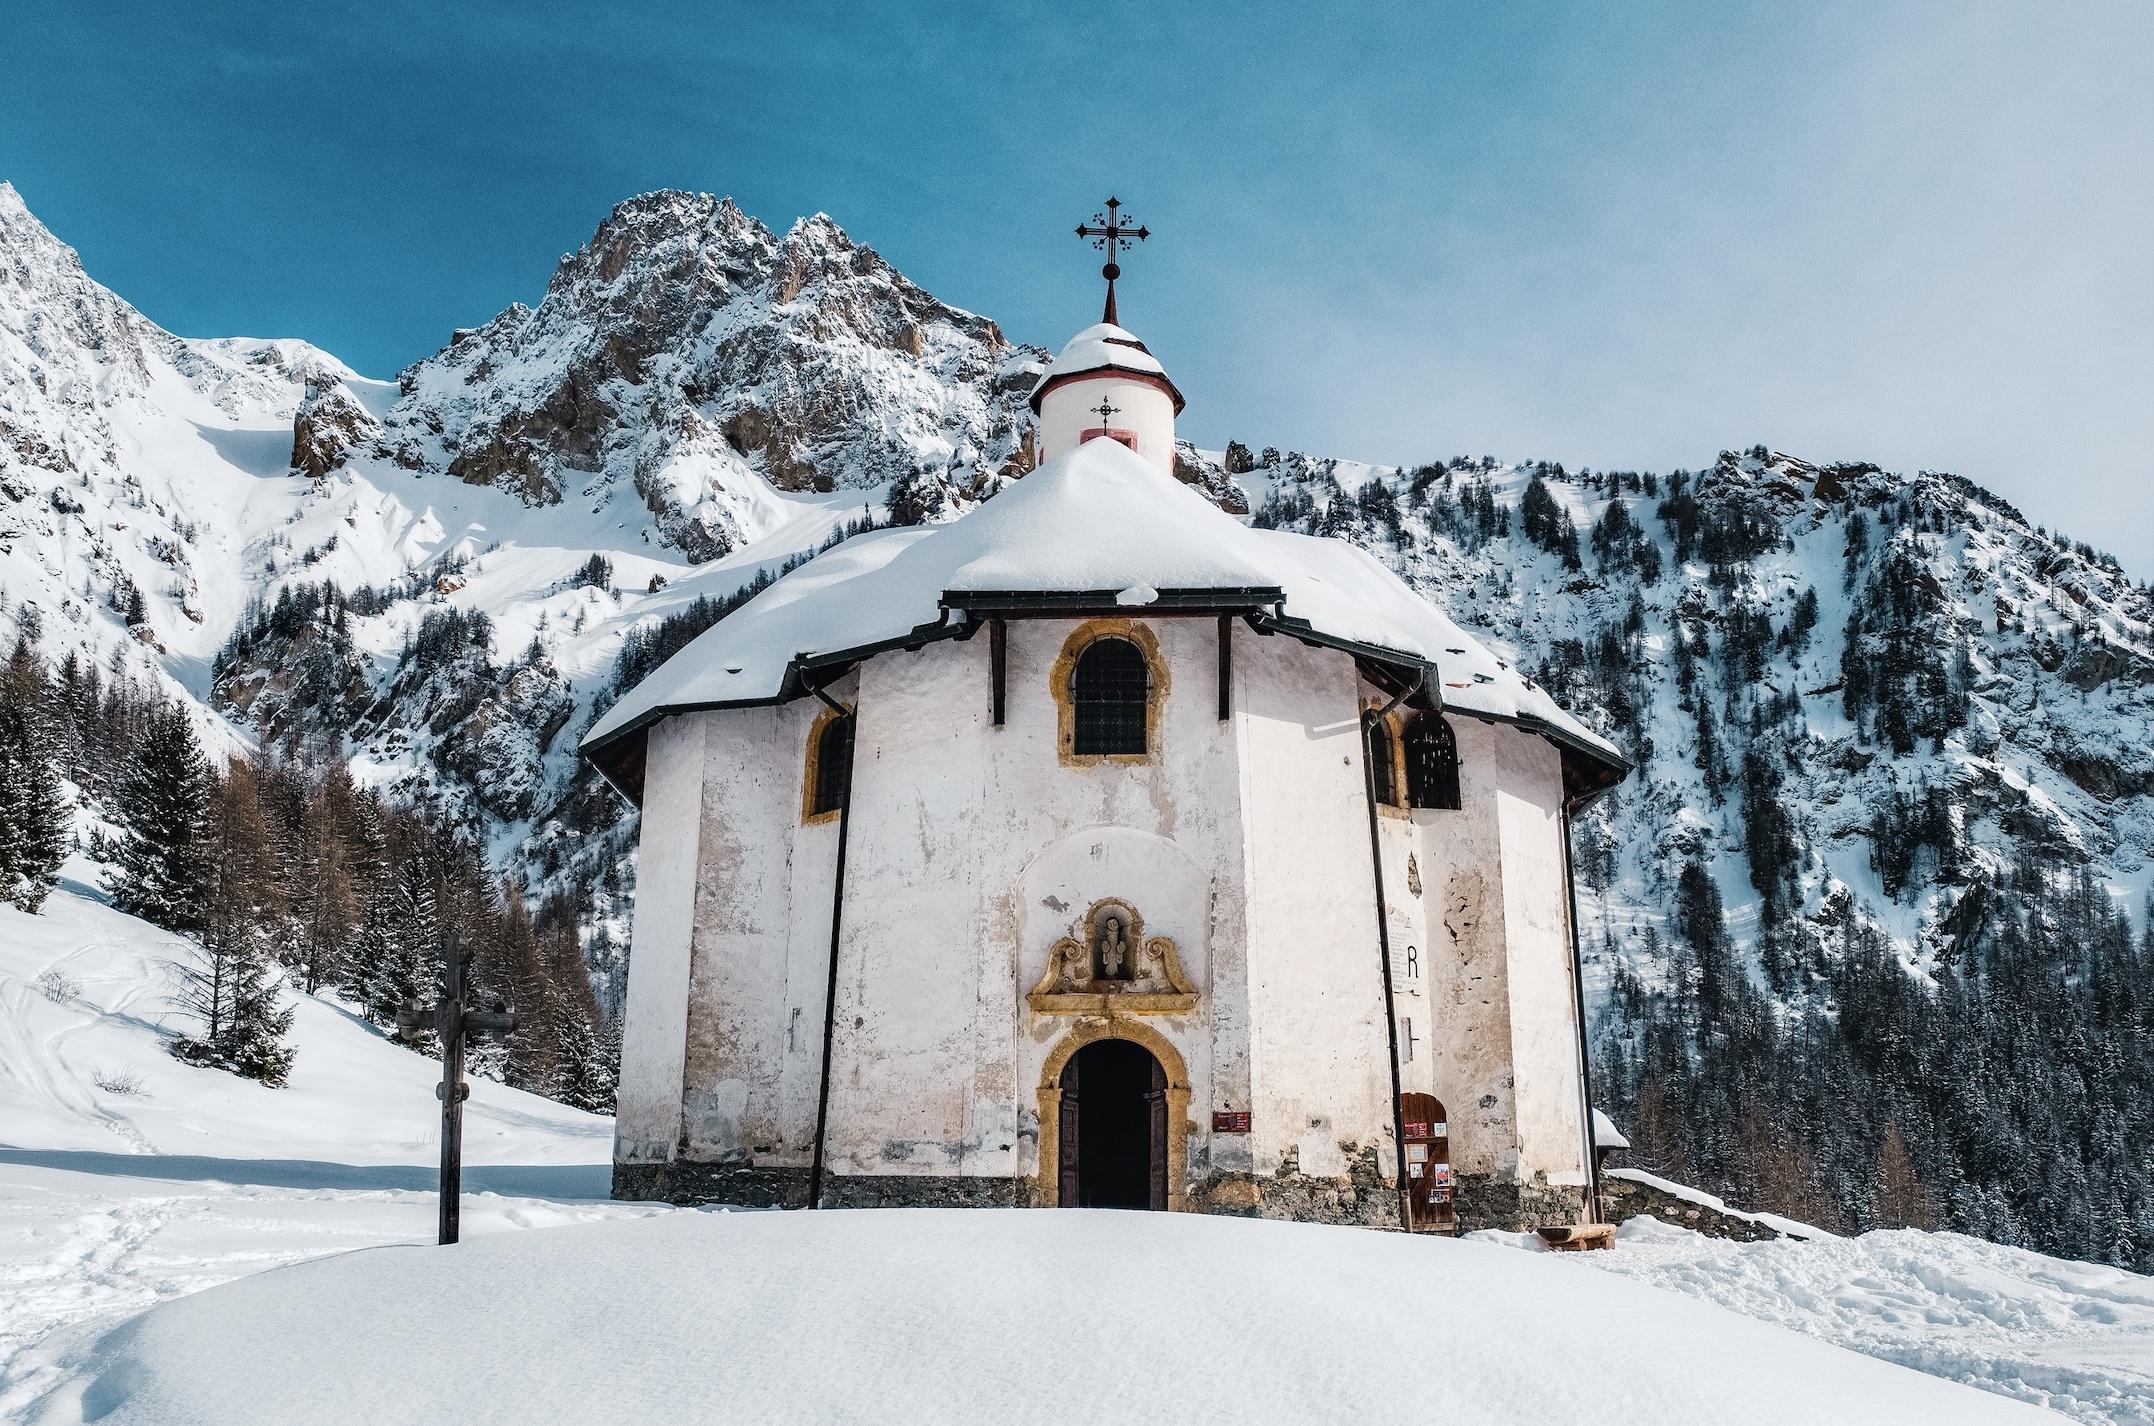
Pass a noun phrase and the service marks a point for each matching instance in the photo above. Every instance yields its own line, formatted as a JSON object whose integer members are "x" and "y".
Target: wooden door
{"x": 1066, "y": 1164}
{"x": 1156, "y": 1101}
{"x": 1427, "y": 1137}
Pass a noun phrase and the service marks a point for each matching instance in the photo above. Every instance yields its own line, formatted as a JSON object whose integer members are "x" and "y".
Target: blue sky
{"x": 1612, "y": 234}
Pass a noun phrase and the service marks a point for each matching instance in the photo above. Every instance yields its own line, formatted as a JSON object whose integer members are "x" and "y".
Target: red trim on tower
{"x": 1112, "y": 433}
{"x": 1116, "y": 373}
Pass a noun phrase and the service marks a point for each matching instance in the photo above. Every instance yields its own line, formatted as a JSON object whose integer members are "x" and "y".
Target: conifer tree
{"x": 232, "y": 986}
{"x": 396, "y": 958}
{"x": 34, "y": 831}
{"x": 163, "y": 807}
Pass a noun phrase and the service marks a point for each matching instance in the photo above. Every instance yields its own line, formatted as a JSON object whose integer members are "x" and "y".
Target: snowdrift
{"x": 1008, "y": 1316}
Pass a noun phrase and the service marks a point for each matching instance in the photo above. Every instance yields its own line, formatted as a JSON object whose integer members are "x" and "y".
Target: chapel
{"x": 1099, "y": 849}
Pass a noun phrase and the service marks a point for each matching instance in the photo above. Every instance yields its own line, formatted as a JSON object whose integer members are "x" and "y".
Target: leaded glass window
{"x": 1109, "y": 690}
{"x": 833, "y": 766}
{"x": 1432, "y": 763}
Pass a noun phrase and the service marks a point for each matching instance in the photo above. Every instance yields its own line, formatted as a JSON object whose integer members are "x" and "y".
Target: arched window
{"x": 830, "y": 765}
{"x": 1432, "y": 763}
{"x": 1110, "y": 690}
{"x": 1383, "y": 759}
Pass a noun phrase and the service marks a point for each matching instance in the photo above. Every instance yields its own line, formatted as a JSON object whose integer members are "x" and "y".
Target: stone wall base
{"x": 690, "y": 1182}
{"x": 1484, "y": 1201}
{"x": 1359, "y": 1199}
{"x": 686, "y": 1181}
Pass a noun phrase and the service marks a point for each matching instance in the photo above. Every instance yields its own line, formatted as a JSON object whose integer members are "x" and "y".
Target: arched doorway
{"x": 1113, "y": 1128}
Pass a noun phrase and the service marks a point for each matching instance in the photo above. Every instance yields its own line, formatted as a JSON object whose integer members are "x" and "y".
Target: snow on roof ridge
{"x": 1097, "y": 518}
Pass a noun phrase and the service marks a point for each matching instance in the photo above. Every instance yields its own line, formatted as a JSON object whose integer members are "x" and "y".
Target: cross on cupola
{"x": 1106, "y": 410}
{"x": 1111, "y": 235}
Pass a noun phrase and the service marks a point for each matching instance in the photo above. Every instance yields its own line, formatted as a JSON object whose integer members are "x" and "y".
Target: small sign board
{"x": 1440, "y": 1173}
{"x": 1230, "y": 1121}
{"x": 1420, "y": 1129}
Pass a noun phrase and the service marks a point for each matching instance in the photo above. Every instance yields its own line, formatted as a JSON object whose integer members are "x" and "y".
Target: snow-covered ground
{"x": 951, "y": 1315}
{"x": 127, "y": 1177}
{"x": 2075, "y": 1337}
{"x": 129, "y": 1180}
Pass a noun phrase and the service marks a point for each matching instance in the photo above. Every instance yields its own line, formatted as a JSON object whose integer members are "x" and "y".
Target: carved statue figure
{"x": 1113, "y": 953}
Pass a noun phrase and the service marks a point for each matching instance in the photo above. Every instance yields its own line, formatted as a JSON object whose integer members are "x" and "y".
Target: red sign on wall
{"x": 1230, "y": 1121}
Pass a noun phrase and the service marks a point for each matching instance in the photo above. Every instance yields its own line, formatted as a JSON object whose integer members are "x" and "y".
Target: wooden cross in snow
{"x": 454, "y": 1022}
{"x": 1111, "y": 235}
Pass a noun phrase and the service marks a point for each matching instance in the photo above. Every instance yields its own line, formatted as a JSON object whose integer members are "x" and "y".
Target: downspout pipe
{"x": 1585, "y": 1069}
{"x": 830, "y": 987}
{"x": 1370, "y": 720}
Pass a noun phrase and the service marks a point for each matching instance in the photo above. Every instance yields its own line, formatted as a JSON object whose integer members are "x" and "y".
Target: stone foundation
{"x": 1483, "y": 1201}
{"x": 691, "y": 1183}
{"x": 1360, "y": 1199}
{"x": 918, "y": 1191}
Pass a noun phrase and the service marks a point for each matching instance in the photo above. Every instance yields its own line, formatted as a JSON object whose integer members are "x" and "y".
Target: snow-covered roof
{"x": 1096, "y": 525}
{"x": 1103, "y": 347}
{"x": 1605, "y": 1134}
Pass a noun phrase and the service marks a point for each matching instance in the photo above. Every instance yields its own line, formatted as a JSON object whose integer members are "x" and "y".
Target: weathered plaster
{"x": 972, "y": 850}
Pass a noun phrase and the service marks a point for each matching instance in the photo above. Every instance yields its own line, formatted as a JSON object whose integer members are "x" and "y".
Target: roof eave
{"x": 1127, "y": 373}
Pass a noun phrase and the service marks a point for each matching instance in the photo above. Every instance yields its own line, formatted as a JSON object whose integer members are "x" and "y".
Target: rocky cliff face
{"x": 689, "y": 352}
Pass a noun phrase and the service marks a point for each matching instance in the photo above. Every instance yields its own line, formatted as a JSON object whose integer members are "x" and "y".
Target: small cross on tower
{"x": 1106, "y": 411}
{"x": 1111, "y": 235}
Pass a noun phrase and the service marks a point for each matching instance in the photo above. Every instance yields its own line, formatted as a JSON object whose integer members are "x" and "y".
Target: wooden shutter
{"x": 1066, "y": 1139}
{"x": 1157, "y": 1101}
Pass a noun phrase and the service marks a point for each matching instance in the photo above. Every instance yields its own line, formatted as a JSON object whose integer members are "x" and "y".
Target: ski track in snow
{"x": 82, "y": 1252}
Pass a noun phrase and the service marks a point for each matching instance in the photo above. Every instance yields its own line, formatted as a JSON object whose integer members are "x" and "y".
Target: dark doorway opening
{"x": 1113, "y": 1152}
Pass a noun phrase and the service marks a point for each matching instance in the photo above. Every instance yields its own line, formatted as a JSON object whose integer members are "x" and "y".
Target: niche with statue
{"x": 1112, "y": 967}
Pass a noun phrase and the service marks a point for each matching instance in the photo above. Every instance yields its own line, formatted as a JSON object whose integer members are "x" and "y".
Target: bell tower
{"x": 1105, "y": 384}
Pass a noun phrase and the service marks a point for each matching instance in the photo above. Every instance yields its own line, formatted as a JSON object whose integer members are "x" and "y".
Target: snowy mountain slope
{"x": 686, "y": 349}
{"x": 87, "y": 1007}
{"x": 136, "y": 467}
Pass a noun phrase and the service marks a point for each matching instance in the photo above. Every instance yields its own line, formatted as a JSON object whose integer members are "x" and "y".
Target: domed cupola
{"x": 1105, "y": 384}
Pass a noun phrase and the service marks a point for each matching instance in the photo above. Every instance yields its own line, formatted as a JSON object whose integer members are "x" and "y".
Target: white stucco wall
{"x": 1502, "y": 1016}
{"x": 737, "y": 1021}
{"x": 972, "y": 849}
{"x": 1544, "y": 1008}
{"x": 1316, "y": 992}
{"x": 1141, "y": 408}
{"x": 654, "y": 1020}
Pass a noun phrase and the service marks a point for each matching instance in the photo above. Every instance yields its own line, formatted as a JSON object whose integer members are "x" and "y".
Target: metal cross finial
{"x": 1111, "y": 236}
{"x": 1106, "y": 411}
